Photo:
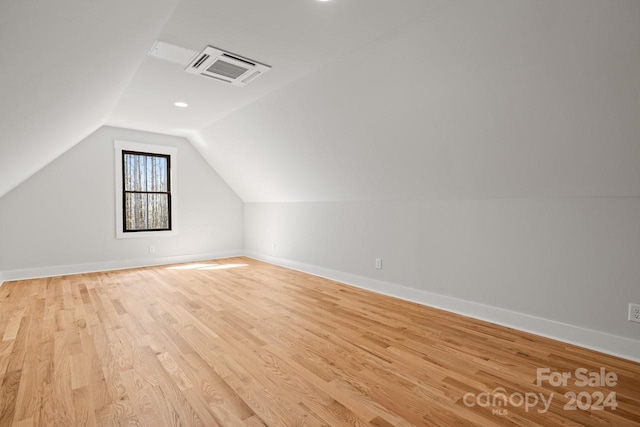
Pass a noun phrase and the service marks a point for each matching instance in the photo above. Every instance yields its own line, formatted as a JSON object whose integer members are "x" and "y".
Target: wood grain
{"x": 238, "y": 342}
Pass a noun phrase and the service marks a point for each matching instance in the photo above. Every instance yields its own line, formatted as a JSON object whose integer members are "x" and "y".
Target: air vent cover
{"x": 225, "y": 66}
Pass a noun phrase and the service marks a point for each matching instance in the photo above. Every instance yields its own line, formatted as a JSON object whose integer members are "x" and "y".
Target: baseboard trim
{"x": 599, "y": 341}
{"x": 594, "y": 340}
{"x": 65, "y": 270}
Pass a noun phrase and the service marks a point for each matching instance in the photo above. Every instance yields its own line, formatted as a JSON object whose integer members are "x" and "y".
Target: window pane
{"x": 134, "y": 173}
{"x": 147, "y": 211}
{"x": 158, "y": 173}
{"x": 136, "y": 211}
{"x": 145, "y": 173}
{"x": 158, "y": 211}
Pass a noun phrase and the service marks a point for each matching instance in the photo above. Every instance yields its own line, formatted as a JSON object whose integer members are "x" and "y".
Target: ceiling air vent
{"x": 225, "y": 66}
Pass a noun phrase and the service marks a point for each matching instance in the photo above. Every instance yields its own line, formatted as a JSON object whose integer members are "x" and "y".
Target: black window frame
{"x": 125, "y": 191}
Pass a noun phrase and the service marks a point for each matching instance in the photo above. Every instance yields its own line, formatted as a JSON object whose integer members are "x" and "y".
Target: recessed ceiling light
{"x": 181, "y": 104}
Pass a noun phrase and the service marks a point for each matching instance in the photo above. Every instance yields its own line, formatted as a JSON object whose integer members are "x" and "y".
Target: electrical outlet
{"x": 634, "y": 312}
{"x": 152, "y": 250}
{"x": 378, "y": 263}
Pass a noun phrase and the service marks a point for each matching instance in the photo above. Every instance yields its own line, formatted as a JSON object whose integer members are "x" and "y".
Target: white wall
{"x": 500, "y": 139}
{"x": 65, "y": 214}
{"x": 572, "y": 261}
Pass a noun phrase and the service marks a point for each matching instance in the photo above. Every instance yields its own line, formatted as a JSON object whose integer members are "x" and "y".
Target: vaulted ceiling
{"x": 292, "y": 36}
{"x": 367, "y": 99}
{"x": 65, "y": 65}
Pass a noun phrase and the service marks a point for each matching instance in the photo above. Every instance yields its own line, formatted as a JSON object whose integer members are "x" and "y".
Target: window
{"x": 145, "y": 189}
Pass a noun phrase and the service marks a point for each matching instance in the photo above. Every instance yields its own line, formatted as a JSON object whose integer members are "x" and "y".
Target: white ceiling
{"x": 367, "y": 99}
{"x": 293, "y": 36}
{"x": 64, "y": 65}
{"x": 71, "y": 66}
{"x": 482, "y": 99}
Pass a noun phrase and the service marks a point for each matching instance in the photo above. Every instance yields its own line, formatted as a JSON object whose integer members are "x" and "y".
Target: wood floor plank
{"x": 28, "y": 398}
{"x": 84, "y": 412}
{"x": 9, "y": 386}
{"x": 238, "y": 342}
{"x": 13, "y": 326}
{"x": 6, "y": 349}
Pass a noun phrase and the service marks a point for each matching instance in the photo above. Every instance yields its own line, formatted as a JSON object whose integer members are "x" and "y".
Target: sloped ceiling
{"x": 484, "y": 99}
{"x": 367, "y": 99}
{"x": 292, "y": 36}
{"x": 71, "y": 66}
{"x": 64, "y": 65}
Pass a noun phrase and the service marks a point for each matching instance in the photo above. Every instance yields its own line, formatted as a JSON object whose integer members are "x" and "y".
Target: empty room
{"x": 320, "y": 213}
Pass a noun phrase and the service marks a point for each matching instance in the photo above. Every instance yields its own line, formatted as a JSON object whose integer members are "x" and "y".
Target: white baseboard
{"x": 63, "y": 270}
{"x": 606, "y": 343}
{"x": 595, "y": 340}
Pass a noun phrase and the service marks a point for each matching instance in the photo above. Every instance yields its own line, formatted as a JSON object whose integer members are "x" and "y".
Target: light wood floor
{"x": 243, "y": 343}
